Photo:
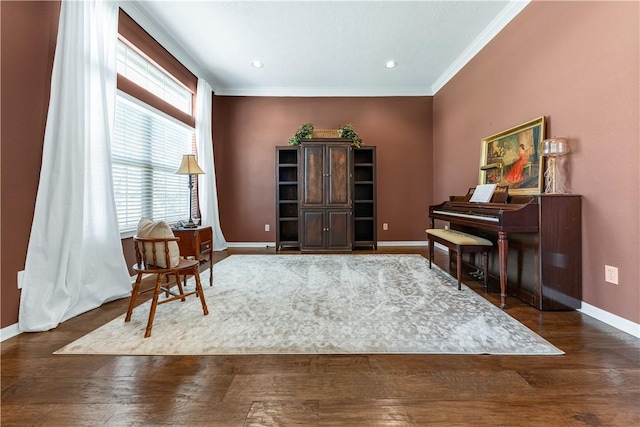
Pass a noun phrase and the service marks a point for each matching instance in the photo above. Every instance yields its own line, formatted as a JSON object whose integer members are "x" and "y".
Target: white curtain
{"x": 207, "y": 191}
{"x": 74, "y": 260}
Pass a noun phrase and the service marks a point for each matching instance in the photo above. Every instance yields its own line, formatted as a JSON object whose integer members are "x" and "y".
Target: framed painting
{"x": 513, "y": 158}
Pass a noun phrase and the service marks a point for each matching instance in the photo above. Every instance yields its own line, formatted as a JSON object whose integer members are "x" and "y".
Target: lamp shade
{"x": 189, "y": 166}
{"x": 555, "y": 147}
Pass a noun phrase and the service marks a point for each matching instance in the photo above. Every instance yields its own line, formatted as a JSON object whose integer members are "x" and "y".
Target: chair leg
{"x": 184, "y": 278}
{"x": 154, "y": 304}
{"x": 430, "y": 253}
{"x": 459, "y": 267}
{"x": 199, "y": 290}
{"x": 179, "y": 282}
{"x": 169, "y": 285}
{"x": 134, "y": 296}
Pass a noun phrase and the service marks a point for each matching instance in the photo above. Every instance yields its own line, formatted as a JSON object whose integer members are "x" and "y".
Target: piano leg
{"x": 431, "y": 246}
{"x": 503, "y": 248}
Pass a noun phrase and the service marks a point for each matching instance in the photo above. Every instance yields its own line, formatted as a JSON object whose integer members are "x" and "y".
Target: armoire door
{"x": 312, "y": 229}
{"x": 313, "y": 173}
{"x": 338, "y": 229}
{"x": 326, "y": 171}
{"x": 325, "y": 198}
{"x": 338, "y": 185}
{"x": 325, "y": 230}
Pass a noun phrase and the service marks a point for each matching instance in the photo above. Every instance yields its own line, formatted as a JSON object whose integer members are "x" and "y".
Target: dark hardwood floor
{"x": 596, "y": 383}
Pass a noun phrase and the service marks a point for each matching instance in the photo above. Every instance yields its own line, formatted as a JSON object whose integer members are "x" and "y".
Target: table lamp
{"x": 554, "y": 179}
{"x": 189, "y": 166}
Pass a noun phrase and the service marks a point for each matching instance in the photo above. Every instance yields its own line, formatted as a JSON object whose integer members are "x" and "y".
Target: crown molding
{"x": 323, "y": 92}
{"x": 511, "y": 10}
{"x": 135, "y": 9}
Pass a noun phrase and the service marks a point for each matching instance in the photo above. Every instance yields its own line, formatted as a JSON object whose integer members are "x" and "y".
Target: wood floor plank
{"x": 356, "y": 385}
{"x": 419, "y": 363}
{"x": 513, "y": 411}
{"x": 270, "y": 364}
{"x": 269, "y": 413}
{"x": 161, "y": 366}
{"x": 179, "y": 412}
{"x": 584, "y": 381}
{"x": 143, "y": 388}
{"x": 305, "y": 387}
{"x": 29, "y": 367}
{"x": 339, "y": 362}
{"x": 376, "y": 412}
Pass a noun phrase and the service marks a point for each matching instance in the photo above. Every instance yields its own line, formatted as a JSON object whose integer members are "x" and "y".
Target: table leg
{"x": 210, "y": 269}
{"x": 503, "y": 247}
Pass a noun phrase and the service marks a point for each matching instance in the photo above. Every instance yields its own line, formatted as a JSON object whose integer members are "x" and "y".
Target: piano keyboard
{"x": 463, "y": 215}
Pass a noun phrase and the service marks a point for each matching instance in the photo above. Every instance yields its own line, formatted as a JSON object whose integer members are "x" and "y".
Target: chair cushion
{"x": 159, "y": 230}
{"x": 459, "y": 237}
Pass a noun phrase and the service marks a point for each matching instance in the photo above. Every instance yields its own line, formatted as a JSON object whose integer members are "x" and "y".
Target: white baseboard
{"x": 251, "y": 244}
{"x": 273, "y": 244}
{"x": 401, "y": 243}
{"x": 9, "y": 332}
{"x": 610, "y": 319}
{"x": 14, "y": 330}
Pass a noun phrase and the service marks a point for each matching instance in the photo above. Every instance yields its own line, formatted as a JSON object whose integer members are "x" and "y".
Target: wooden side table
{"x": 197, "y": 243}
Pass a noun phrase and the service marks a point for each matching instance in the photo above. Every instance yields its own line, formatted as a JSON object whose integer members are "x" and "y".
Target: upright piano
{"x": 537, "y": 253}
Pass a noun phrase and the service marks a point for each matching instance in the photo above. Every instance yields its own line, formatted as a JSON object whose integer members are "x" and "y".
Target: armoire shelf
{"x": 364, "y": 197}
{"x": 287, "y": 208}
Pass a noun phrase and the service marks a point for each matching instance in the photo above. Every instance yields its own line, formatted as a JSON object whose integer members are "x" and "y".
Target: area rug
{"x": 321, "y": 304}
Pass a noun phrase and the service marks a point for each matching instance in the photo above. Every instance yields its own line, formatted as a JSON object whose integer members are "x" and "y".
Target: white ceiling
{"x": 324, "y": 48}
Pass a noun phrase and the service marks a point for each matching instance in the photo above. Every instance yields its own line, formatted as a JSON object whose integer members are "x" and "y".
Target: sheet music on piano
{"x": 483, "y": 193}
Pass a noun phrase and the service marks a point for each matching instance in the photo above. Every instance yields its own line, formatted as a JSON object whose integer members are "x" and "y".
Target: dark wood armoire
{"x": 331, "y": 211}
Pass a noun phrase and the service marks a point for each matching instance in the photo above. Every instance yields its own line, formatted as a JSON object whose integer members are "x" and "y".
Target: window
{"x": 148, "y": 144}
{"x": 147, "y": 148}
{"x": 145, "y": 74}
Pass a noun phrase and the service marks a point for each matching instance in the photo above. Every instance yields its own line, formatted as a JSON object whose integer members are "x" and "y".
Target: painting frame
{"x": 513, "y": 158}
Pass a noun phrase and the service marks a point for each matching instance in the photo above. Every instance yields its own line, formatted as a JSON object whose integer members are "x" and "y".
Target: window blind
{"x": 141, "y": 71}
{"x": 146, "y": 151}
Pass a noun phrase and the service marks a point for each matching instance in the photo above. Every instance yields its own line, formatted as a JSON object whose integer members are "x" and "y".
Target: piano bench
{"x": 460, "y": 243}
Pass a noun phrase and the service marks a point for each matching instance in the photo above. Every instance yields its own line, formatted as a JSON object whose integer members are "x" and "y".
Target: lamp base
{"x": 554, "y": 178}
{"x": 190, "y": 224}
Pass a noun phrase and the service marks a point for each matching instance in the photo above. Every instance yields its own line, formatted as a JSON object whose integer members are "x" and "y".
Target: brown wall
{"x": 248, "y": 128}
{"x": 28, "y": 36}
{"x": 577, "y": 63}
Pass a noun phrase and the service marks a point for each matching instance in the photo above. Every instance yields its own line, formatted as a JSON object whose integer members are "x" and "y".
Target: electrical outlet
{"x": 266, "y": 227}
{"x": 20, "y": 278}
{"x": 385, "y": 226}
{"x": 611, "y": 274}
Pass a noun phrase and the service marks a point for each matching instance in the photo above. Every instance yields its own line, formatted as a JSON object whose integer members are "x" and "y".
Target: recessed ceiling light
{"x": 257, "y": 64}
{"x": 390, "y": 64}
